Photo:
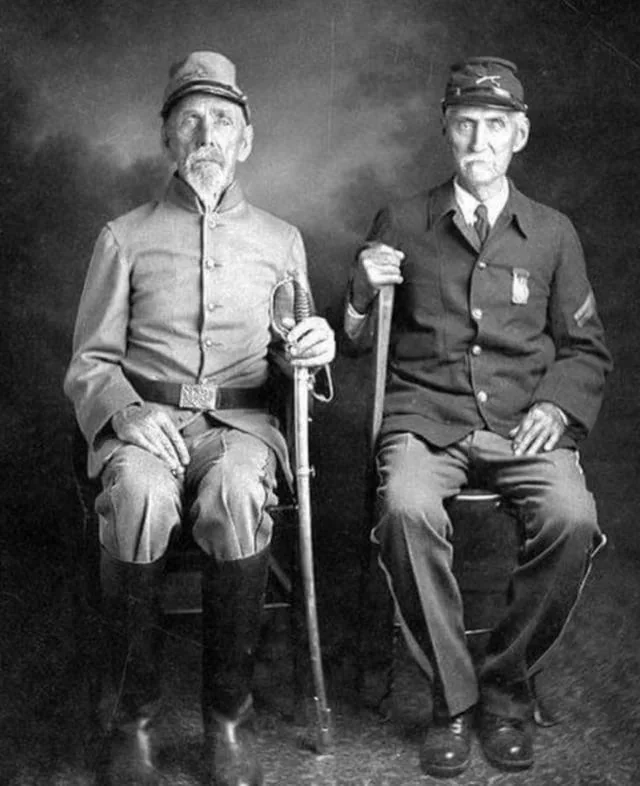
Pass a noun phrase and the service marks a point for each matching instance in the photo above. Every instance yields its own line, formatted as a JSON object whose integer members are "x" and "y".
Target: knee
{"x": 230, "y": 514}
{"x": 139, "y": 506}
{"x": 142, "y": 479}
{"x": 236, "y": 489}
{"x": 405, "y": 504}
{"x": 569, "y": 516}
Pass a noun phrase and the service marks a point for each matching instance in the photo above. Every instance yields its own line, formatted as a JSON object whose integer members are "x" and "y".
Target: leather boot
{"x": 507, "y": 742}
{"x": 446, "y": 750}
{"x": 232, "y": 600}
{"x": 505, "y": 724}
{"x": 131, "y": 605}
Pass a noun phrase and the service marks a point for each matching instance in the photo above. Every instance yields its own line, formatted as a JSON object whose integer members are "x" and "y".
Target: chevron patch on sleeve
{"x": 586, "y": 311}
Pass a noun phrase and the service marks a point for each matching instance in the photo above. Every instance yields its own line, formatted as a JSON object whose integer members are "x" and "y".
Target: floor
{"x": 591, "y": 683}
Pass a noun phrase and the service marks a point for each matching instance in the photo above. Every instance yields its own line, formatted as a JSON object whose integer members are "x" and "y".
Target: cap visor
{"x": 209, "y": 88}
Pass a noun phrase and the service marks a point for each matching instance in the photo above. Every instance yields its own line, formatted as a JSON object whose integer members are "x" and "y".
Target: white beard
{"x": 207, "y": 178}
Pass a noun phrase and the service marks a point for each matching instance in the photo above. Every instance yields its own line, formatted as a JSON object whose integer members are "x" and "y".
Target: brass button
{"x": 482, "y": 396}
{"x": 476, "y": 349}
{"x": 476, "y": 313}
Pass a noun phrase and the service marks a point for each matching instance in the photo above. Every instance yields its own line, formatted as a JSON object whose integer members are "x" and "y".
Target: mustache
{"x": 475, "y": 160}
{"x": 208, "y": 155}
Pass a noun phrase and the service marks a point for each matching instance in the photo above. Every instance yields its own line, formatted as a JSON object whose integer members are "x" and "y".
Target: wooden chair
{"x": 486, "y": 532}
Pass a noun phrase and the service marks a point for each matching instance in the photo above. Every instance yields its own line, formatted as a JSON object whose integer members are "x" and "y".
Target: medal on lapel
{"x": 520, "y": 286}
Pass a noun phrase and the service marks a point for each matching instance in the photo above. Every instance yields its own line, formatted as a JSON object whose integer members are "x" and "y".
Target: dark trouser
{"x": 413, "y": 530}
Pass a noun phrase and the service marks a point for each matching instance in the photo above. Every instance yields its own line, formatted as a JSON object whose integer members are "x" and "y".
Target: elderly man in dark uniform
{"x": 172, "y": 351}
{"x": 497, "y": 364}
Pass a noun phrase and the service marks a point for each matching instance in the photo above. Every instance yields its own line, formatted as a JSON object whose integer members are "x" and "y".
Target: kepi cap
{"x": 484, "y": 81}
{"x": 203, "y": 72}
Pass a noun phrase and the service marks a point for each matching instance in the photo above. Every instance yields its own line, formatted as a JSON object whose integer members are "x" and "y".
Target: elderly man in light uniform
{"x": 172, "y": 353}
{"x": 497, "y": 366}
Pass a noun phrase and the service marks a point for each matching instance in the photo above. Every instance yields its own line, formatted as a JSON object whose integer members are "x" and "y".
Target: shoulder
{"x": 271, "y": 227}
{"x": 409, "y": 206}
{"x": 130, "y": 224}
{"x": 413, "y": 212}
{"x": 539, "y": 217}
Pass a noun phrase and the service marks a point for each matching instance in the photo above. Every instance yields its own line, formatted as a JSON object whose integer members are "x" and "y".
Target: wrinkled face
{"x": 482, "y": 142}
{"x": 206, "y": 136}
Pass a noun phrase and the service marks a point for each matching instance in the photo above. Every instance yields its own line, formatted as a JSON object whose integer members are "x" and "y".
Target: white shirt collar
{"x": 468, "y": 203}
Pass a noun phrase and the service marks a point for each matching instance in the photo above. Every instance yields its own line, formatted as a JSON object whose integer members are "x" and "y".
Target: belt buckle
{"x": 198, "y": 396}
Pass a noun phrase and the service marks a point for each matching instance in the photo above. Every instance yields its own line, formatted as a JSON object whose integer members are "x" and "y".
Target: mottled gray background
{"x": 345, "y": 99}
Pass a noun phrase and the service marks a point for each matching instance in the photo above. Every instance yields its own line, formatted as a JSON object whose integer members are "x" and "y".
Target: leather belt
{"x": 200, "y": 397}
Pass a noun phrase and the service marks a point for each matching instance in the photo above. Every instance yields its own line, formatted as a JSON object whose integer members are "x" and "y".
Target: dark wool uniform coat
{"x": 478, "y": 336}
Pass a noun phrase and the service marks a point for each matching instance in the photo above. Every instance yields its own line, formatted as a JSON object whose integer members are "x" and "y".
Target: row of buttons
{"x": 476, "y": 349}
{"x": 209, "y": 342}
{"x": 209, "y": 263}
{"x": 482, "y": 396}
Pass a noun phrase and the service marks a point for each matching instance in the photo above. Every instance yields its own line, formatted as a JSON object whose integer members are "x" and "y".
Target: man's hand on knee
{"x": 149, "y": 427}
{"x": 540, "y": 429}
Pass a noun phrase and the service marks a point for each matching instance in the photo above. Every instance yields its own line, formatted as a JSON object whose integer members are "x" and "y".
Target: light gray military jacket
{"x": 178, "y": 293}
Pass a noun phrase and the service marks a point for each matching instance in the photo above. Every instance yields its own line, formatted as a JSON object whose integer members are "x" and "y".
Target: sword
{"x": 303, "y": 384}
{"x": 381, "y": 356}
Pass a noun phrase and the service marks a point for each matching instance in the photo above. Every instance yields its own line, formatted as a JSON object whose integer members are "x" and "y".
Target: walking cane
{"x": 303, "y": 382}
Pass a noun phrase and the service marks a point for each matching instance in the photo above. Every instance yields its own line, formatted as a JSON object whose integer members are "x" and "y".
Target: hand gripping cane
{"x": 303, "y": 383}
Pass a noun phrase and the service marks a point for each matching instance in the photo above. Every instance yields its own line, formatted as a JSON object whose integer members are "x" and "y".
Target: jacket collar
{"x": 518, "y": 207}
{"x": 519, "y": 210}
{"x": 180, "y": 193}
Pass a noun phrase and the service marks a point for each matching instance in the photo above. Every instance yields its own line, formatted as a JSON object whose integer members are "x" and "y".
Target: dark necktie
{"x": 481, "y": 224}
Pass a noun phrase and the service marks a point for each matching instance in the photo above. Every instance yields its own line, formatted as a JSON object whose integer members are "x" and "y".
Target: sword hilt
{"x": 301, "y": 301}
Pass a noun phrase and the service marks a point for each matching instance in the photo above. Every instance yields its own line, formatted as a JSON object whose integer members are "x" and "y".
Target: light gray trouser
{"x": 229, "y": 483}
